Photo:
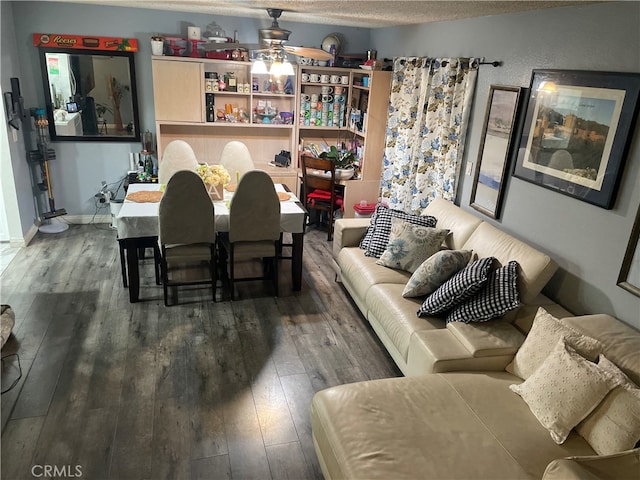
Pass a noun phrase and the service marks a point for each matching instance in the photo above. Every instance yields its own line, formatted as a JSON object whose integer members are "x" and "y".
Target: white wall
{"x": 588, "y": 242}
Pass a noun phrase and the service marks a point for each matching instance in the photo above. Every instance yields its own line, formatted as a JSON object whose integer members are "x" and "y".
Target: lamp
{"x": 279, "y": 64}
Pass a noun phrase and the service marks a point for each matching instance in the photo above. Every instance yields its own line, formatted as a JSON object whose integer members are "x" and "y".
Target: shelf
{"x": 224, "y": 92}
{"x": 320, "y": 127}
{"x": 273, "y": 95}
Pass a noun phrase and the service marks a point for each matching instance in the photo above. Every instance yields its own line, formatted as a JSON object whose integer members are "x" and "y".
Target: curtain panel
{"x": 428, "y": 115}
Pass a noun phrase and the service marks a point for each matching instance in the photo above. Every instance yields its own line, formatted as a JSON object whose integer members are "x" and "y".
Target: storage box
{"x": 364, "y": 211}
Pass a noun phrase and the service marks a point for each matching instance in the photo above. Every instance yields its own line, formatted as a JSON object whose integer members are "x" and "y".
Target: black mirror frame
{"x": 136, "y": 137}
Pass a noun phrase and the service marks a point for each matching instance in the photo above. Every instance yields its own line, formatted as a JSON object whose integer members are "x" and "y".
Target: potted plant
{"x": 101, "y": 109}
{"x": 345, "y": 161}
{"x": 157, "y": 44}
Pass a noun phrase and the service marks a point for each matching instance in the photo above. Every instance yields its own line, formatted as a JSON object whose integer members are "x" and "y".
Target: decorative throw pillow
{"x": 436, "y": 270}
{"x": 366, "y": 240}
{"x": 564, "y": 390}
{"x": 463, "y": 285}
{"x": 380, "y": 237}
{"x": 614, "y": 425}
{"x": 545, "y": 332}
{"x": 497, "y": 297}
{"x": 410, "y": 245}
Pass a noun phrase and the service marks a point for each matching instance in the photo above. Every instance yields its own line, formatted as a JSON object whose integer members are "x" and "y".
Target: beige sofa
{"x": 453, "y": 415}
{"x": 462, "y": 425}
{"x": 424, "y": 345}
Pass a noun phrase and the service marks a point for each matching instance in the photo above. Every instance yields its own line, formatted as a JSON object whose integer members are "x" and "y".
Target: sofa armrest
{"x": 348, "y": 232}
{"x": 623, "y": 465}
{"x": 487, "y": 339}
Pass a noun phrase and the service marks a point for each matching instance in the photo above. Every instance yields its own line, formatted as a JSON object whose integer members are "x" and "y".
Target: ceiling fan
{"x": 274, "y": 39}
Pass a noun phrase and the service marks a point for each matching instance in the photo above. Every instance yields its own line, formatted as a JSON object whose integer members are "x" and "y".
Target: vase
{"x": 157, "y": 47}
{"x": 215, "y": 192}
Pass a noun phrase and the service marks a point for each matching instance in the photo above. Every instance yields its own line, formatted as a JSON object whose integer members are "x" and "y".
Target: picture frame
{"x": 577, "y": 132}
{"x": 629, "y": 277}
{"x": 496, "y": 149}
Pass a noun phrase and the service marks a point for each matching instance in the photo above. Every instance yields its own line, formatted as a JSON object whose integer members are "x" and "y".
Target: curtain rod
{"x": 480, "y": 61}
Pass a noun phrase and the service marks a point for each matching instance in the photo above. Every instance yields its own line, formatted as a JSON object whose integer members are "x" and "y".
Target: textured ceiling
{"x": 354, "y": 13}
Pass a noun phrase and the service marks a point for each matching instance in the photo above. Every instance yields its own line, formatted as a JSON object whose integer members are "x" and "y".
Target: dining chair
{"x": 187, "y": 230}
{"x": 178, "y": 155}
{"x": 254, "y": 227}
{"x": 319, "y": 187}
{"x": 236, "y": 159}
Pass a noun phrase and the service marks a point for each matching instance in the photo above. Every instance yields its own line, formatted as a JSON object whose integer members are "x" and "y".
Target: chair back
{"x": 254, "y": 214}
{"x": 186, "y": 213}
{"x": 236, "y": 158}
{"x": 312, "y": 180}
{"x": 178, "y": 155}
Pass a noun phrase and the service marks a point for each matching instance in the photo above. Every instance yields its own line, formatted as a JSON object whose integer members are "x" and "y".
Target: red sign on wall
{"x": 80, "y": 42}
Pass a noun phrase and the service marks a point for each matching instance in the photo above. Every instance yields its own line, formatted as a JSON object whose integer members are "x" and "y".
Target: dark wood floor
{"x": 198, "y": 390}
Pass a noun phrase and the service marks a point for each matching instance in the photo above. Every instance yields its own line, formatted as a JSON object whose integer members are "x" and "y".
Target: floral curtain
{"x": 429, "y": 107}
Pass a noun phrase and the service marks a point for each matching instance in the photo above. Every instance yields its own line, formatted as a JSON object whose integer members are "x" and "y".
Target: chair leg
{"x": 212, "y": 271}
{"x": 330, "y": 226}
{"x": 231, "y": 273}
{"x": 123, "y": 264}
{"x": 157, "y": 259}
{"x": 165, "y": 277}
{"x": 275, "y": 274}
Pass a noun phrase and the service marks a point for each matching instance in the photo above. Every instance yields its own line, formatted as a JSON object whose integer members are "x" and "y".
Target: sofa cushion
{"x": 410, "y": 245}
{"x": 564, "y": 390}
{"x": 497, "y": 297}
{"x": 614, "y": 425}
{"x": 536, "y": 268}
{"x": 432, "y": 426}
{"x": 625, "y": 465}
{"x": 487, "y": 339}
{"x": 380, "y": 237}
{"x": 461, "y": 286}
{"x": 461, "y": 223}
{"x": 545, "y": 333}
{"x": 434, "y": 271}
{"x": 621, "y": 342}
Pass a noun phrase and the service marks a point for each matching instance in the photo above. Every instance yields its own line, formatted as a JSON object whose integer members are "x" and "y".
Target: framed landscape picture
{"x": 496, "y": 149}
{"x": 577, "y": 131}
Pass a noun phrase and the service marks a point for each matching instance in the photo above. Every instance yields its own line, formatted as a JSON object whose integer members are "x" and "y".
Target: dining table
{"x": 137, "y": 227}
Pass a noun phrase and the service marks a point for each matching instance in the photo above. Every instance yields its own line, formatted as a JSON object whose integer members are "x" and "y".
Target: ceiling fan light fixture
{"x": 259, "y": 67}
{"x": 287, "y": 68}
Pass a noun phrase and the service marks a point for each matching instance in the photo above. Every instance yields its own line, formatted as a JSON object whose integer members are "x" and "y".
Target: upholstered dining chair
{"x": 319, "y": 187}
{"x": 178, "y": 155}
{"x": 187, "y": 230}
{"x": 254, "y": 227}
{"x": 235, "y": 157}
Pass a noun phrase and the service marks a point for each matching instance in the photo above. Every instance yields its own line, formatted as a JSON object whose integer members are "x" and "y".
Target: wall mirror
{"x": 90, "y": 95}
{"x": 629, "y": 277}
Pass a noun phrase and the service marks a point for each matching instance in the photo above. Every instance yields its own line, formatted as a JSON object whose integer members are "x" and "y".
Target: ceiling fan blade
{"x": 211, "y": 46}
{"x": 315, "y": 53}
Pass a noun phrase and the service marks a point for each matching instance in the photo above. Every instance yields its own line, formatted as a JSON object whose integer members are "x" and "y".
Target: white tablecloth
{"x": 141, "y": 219}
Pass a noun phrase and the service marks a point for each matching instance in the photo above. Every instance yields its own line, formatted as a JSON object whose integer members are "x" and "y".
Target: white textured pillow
{"x": 410, "y": 245}
{"x": 544, "y": 334}
{"x": 614, "y": 425}
{"x": 564, "y": 390}
{"x": 436, "y": 270}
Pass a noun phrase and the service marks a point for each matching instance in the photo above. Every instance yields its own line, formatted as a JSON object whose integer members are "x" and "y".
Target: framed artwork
{"x": 629, "y": 277}
{"x": 496, "y": 149}
{"x": 577, "y": 132}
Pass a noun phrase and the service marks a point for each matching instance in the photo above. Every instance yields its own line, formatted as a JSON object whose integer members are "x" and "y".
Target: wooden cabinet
{"x": 270, "y": 116}
{"x": 366, "y": 134}
{"x": 177, "y": 90}
{"x": 183, "y": 90}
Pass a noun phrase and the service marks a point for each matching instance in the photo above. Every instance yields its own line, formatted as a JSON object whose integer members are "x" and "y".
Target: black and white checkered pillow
{"x": 459, "y": 288}
{"x": 380, "y": 237}
{"x": 499, "y": 295}
{"x": 366, "y": 240}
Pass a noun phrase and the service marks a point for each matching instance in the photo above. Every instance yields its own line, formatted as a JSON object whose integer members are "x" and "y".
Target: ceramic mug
{"x": 314, "y": 98}
{"x": 365, "y": 81}
{"x": 338, "y": 90}
{"x": 325, "y": 78}
{"x": 305, "y": 97}
{"x": 327, "y": 98}
{"x": 314, "y": 77}
{"x": 326, "y": 90}
{"x": 335, "y": 79}
{"x": 305, "y": 77}
{"x": 345, "y": 80}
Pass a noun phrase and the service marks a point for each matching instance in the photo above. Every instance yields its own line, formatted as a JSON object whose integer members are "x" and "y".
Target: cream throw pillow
{"x": 410, "y": 245}
{"x": 564, "y": 390}
{"x": 543, "y": 336}
{"x": 614, "y": 425}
